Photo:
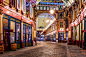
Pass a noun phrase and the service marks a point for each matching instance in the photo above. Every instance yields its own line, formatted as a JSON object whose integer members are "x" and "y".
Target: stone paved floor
{"x": 46, "y": 49}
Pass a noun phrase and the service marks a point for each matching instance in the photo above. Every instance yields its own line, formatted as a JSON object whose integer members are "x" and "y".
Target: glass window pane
{"x": 44, "y": 8}
{"x": 17, "y": 27}
{"x": 41, "y": 8}
{"x": 5, "y": 23}
{"x": 37, "y": 7}
{"x": 29, "y": 30}
{"x": 26, "y": 37}
{"x": 12, "y": 26}
{"x": 17, "y": 37}
{"x": 47, "y": 8}
{"x": 12, "y": 37}
{"x": 23, "y": 28}
{"x": 23, "y": 37}
{"x": 26, "y": 29}
{"x": 29, "y": 37}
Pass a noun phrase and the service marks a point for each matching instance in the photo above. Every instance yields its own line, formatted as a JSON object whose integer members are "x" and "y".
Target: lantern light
{"x": 52, "y": 11}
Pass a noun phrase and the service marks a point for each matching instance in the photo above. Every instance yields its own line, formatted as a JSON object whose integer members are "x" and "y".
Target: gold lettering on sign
{"x": 6, "y": 16}
{"x": 12, "y": 19}
{"x": 18, "y": 21}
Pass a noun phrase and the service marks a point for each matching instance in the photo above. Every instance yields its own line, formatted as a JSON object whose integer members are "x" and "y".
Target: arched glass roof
{"x": 44, "y": 21}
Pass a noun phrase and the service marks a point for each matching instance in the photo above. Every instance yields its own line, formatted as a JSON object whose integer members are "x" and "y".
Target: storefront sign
{"x": 18, "y": 21}
{"x": 12, "y": 19}
{"x": 15, "y": 14}
{"x": 6, "y": 16}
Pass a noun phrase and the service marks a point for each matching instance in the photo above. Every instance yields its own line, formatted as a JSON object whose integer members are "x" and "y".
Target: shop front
{"x": 61, "y": 37}
{"x": 51, "y": 37}
{"x": 11, "y": 31}
{"x": 27, "y": 28}
{"x": 54, "y": 37}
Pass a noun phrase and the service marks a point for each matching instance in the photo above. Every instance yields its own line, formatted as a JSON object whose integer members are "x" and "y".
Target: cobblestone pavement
{"x": 47, "y": 49}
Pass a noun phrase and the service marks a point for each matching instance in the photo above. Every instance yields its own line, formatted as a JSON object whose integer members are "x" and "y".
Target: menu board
{"x": 18, "y": 4}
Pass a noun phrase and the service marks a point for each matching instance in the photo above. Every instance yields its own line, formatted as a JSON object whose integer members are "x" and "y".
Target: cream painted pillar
{"x": 78, "y": 10}
{"x": 1, "y": 28}
{"x": 57, "y": 32}
{"x": 64, "y": 14}
{"x": 22, "y": 34}
{"x": 32, "y": 33}
{"x": 21, "y": 6}
{"x": 83, "y": 29}
{"x": 78, "y": 32}
{"x": 80, "y": 4}
{"x": 64, "y": 32}
{"x": 69, "y": 34}
{"x": 64, "y": 27}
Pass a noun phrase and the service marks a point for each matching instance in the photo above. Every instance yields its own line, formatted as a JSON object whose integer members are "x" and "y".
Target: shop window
{"x": 37, "y": 7}
{"x": 17, "y": 32}
{"x": 44, "y": 8}
{"x": 24, "y": 38}
{"x": 12, "y": 37}
{"x": 47, "y": 7}
{"x": 27, "y": 29}
{"x": 61, "y": 24}
{"x": 17, "y": 27}
{"x": 12, "y": 34}
{"x": 12, "y": 26}
{"x": 26, "y": 33}
{"x": 17, "y": 37}
{"x": 54, "y": 8}
{"x": 23, "y": 28}
{"x": 30, "y": 34}
{"x": 41, "y": 8}
{"x": 5, "y": 23}
{"x": 29, "y": 38}
{"x": 57, "y": 8}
